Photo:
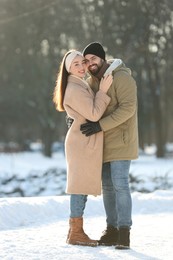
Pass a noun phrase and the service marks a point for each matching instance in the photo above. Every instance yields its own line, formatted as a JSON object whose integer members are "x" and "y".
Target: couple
{"x": 101, "y": 141}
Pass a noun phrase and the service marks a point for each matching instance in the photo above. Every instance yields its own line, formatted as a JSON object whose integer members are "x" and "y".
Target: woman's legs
{"x": 76, "y": 234}
{"x": 77, "y": 205}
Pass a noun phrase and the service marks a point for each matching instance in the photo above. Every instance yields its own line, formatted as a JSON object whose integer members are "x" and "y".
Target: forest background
{"x": 35, "y": 34}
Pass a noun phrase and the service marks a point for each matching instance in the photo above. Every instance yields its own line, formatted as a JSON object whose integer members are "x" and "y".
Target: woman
{"x": 83, "y": 154}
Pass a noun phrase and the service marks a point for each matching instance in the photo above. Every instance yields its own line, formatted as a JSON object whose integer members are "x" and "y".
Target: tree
{"x": 34, "y": 37}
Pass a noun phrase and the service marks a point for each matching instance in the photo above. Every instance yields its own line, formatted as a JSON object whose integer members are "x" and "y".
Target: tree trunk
{"x": 158, "y": 114}
{"x": 156, "y": 98}
{"x": 47, "y": 137}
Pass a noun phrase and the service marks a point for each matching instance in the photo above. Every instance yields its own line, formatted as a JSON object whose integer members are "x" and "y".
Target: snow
{"x": 22, "y": 163}
{"x": 35, "y": 228}
{"x": 32, "y": 174}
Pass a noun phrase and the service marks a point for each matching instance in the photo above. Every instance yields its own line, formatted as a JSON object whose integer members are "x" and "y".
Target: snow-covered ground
{"x": 35, "y": 228}
{"x": 32, "y": 174}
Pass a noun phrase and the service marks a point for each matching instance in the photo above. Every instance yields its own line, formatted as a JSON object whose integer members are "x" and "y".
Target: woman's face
{"x": 78, "y": 67}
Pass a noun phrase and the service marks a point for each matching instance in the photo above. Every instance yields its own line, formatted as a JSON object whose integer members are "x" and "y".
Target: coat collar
{"x": 107, "y": 68}
{"x": 115, "y": 63}
{"x": 77, "y": 80}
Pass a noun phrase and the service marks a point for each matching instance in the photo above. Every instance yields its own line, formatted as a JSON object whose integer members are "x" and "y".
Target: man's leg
{"x": 110, "y": 235}
{"x": 120, "y": 180}
{"x": 109, "y": 196}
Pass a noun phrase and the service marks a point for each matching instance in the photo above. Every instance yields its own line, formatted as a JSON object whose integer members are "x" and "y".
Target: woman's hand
{"x": 106, "y": 82}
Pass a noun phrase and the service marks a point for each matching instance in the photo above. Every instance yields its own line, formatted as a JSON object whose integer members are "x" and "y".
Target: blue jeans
{"x": 77, "y": 205}
{"x": 116, "y": 193}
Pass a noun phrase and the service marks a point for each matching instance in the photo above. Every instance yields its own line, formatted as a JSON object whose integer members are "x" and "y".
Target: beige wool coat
{"x": 119, "y": 121}
{"x": 84, "y": 155}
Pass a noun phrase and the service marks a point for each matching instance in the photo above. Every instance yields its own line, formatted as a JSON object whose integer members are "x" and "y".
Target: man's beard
{"x": 96, "y": 68}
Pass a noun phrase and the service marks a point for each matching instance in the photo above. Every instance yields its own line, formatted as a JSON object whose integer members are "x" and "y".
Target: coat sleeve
{"x": 90, "y": 106}
{"x": 126, "y": 91}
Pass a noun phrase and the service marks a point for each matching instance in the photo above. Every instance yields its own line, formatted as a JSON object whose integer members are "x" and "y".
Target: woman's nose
{"x": 83, "y": 66}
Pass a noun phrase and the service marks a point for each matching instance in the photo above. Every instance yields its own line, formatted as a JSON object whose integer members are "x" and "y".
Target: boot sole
{"x": 78, "y": 243}
{"x": 107, "y": 244}
{"x": 122, "y": 247}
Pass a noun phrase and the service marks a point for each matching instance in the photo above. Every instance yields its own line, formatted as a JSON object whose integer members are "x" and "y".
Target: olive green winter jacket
{"x": 119, "y": 121}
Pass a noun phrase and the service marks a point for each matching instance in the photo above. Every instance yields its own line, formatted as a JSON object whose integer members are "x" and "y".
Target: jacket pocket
{"x": 91, "y": 142}
{"x": 95, "y": 141}
{"x": 125, "y": 136}
{"x": 116, "y": 138}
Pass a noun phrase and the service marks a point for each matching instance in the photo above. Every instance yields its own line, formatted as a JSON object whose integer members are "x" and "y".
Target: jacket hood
{"x": 116, "y": 65}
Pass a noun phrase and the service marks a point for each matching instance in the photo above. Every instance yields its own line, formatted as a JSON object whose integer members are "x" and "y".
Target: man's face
{"x": 93, "y": 63}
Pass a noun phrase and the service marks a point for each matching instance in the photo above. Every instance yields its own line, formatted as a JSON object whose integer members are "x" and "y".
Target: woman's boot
{"x": 76, "y": 234}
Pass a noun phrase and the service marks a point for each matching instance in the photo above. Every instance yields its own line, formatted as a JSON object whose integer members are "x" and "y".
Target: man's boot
{"x": 109, "y": 237}
{"x": 76, "y": 234}
{"x": 124, "y": 239}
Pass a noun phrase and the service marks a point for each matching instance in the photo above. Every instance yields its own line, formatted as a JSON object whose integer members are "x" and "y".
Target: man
{"x": 119, "y": 124}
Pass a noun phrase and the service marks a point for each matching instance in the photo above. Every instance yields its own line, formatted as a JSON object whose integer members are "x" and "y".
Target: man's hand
{"x": 90, "y": 128}
{"x": 69, "y": 121}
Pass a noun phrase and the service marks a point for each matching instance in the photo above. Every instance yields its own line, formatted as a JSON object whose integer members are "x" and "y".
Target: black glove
{"x": 90, "y": 128}
{"x": 69, "y": 121}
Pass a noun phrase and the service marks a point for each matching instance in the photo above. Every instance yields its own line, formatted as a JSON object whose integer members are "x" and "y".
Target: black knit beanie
{"x": 94, "y": 48}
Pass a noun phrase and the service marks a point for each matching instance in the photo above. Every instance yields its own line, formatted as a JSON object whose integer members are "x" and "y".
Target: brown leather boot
{"x": 76, "y": 234}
